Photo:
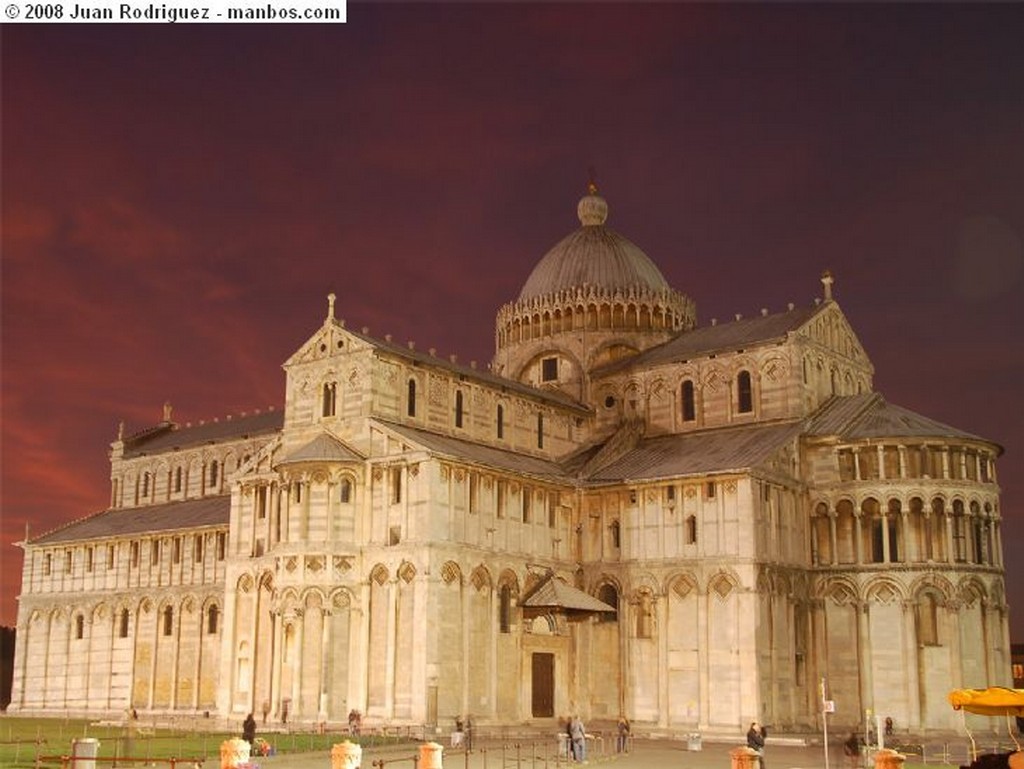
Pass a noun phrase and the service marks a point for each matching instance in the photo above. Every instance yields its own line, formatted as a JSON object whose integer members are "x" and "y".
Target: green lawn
{"x": 22, "y": 739}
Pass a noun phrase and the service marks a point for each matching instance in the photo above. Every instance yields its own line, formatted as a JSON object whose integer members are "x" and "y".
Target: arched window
{"x": 744, "y": 393}
{"x": 145, "y": 485}
{"x": 500, "y": 422}
{"x": 689, "y": 406}
{"x": 122, "y": 630}
{"x": 212, "y": 615}
{"x": 691, "y": 530}
{"x": 214, "y": 472}
{"x": 616, "y": 531}
{"x": 411, "y": 399}
{"x": 540, "y": 431}
{"x": 609, "y": 595}
{"x": 168, "y": 620}
{"x": 345, "y": 491}
{"x": 330, "y": 395}
{"x": 177, "y": 480}
{"x": 79, "y": 626}
{"x": 458, "y": 408}
{"x": 505, "y": 609}
{"x": 959, "y": 532}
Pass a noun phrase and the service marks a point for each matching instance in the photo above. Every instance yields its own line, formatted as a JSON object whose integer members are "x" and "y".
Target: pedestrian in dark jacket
{"x": 249, "y": 729}
{"x": 755, "y": 740}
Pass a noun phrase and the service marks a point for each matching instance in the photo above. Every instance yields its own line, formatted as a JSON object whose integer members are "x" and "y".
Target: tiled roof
{"x": 593, "y": 255}
{"x": 149, "y": 519}
{"x": 555, "y": 594}
{"x": 739, "y": 334}
{"x": 173, "y": 436}
{"x": 708, "y": 451}
{"x": 869, "y": 415}
{"x": 499, "y": 459}
{"x": 323, "y": 448}
{"x": 487, "y": 377}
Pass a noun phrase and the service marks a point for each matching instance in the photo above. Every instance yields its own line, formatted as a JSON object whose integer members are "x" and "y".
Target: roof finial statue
{"x": 592, "y": 209}
{"x": 592, "y": 181}
{"x": 827, "y": 280}
{"x": 167, "y": 411}
{"x": 330, "y": 306}
{"x": 120, "y": 430}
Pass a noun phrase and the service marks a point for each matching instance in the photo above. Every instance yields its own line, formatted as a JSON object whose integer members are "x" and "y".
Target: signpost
{"x": 827, "y": 706}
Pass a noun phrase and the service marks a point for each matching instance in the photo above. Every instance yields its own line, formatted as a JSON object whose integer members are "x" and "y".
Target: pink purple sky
{"x": 178, "y": 201}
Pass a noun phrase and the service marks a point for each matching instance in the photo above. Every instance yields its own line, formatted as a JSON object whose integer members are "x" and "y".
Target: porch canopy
{"x": 551, "y": 594}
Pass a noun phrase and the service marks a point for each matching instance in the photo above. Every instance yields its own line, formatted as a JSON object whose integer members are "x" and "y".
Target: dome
{"x": 594, "y": 255}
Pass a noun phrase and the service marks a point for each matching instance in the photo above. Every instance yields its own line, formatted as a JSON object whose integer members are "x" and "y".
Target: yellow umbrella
{"x": 993, "y": 701}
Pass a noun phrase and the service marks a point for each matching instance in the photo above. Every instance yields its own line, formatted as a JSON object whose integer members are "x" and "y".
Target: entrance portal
{"x": 543, "y": 697}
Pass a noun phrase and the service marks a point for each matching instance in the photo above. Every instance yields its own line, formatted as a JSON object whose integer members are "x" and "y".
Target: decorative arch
{"x": 722, "y": 584}
{"x": 379, "y": 574}
{"x": 406, "y": 572}
{"x": 683, "y": 585}
{"x": 481, "y": 579}
{"x": 884, "y": 590}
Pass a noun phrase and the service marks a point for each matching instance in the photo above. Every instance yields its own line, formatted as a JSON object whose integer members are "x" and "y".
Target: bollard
{"x": 234, "y": 753}
{"x": 431, "y": 756}
{"x": 886, "y": 758}
{"x": 346, "y": 755}
{"x": 745, "y": 758}
{"x": 83, "y": 753}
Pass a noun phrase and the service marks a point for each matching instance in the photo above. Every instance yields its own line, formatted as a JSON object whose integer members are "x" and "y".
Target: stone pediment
{"x": 324, "y": 448}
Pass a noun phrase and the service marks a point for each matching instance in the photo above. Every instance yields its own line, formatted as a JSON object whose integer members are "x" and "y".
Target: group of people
{"x": 463, "y": 734}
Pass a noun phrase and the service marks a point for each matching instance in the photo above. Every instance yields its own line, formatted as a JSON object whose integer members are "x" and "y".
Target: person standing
{"x": 578, "y": 739}
{"x": 851, "y": 749}
{"x": 249, "y": 730}
{"x": 622, "y": 742}
{"x": 755, "y": 740}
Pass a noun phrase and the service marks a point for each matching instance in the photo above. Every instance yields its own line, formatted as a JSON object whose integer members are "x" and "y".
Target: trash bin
{"x": 83, "y": 753}
{"x": 693, "y": 741}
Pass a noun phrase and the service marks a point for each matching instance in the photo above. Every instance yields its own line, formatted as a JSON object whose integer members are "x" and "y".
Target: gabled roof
{"x": 149, "y": 519}
{"x": 723, "y": 337}
{"x": 323, "y": 448}
{"x": 869, "y": 415}
{"x": 467, "y": 451}
{"x": 708, "y": 451}
{"x": 169, "y": 435}
{"x": 552, "y": 593}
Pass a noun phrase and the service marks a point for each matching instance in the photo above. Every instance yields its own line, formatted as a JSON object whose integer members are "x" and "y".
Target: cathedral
{"x": 626, "y": 512}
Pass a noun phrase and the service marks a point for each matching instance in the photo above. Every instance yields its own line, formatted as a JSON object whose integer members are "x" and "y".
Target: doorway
{"x": 543, "y": 695}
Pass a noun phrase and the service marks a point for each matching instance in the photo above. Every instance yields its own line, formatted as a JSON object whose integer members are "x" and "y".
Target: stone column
{"x": 325, "y": 646}
{"x": 275, "y": 663}
{"x": 864, "y": 655}
{"x": 910, "y": 653}
{"x": 298, "y": 667}
{"x": 391, "y": 648}
{"x": 832, "y": 538}
{"x": 858, "y": 554}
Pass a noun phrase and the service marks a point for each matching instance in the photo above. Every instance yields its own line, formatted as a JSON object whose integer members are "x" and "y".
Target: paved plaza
{"x": 645, "y": 754}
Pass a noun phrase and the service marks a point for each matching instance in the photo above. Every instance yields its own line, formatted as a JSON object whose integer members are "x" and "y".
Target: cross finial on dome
{"x": 330, "y": 306}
